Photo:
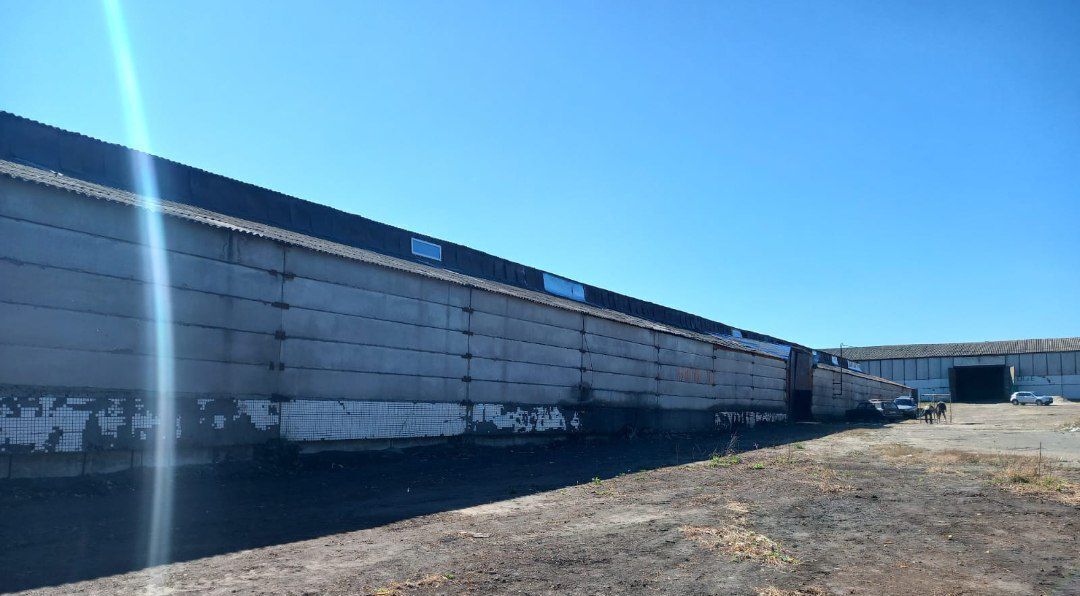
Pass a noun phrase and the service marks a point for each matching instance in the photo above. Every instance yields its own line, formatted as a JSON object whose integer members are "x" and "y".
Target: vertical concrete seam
{"x": 753, "y": 379}
{"x": 468, "y": 350}
{"x": 712, "y": 375}
{"x": 280, "y": 339}
{"x": 656, "y": 344}
{"x": 582, "y": 349}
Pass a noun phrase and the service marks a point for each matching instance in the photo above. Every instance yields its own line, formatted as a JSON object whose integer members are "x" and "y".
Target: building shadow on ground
{"x": 57, "y": 531}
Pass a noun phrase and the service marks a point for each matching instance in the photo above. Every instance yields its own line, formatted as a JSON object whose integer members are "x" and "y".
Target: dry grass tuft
{"x": 958, "y": 457}
{"x": 740, "y": 543}
{"x": 828, "y": 481}
{"x": 738, "y": 507}
{"x": 1024, "y": 475}
{"x": 856, "y": 432}
{"x": 810, "y": 472}
{"x": 899, "y": 450}
{"x": 1071, "y": 427}
{"x": 944, "y": 470}
{"x": 823, "y": 478}
{"x": 398, "y": 588}
{"x": 724, "y": 461}
{"x": 947, "y": 457}
{"x": 774, "y": 591}
{"x": 1035, "y": 480}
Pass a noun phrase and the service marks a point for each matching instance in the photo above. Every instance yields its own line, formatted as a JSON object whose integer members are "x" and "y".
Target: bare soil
{"x": 961, "y": 508}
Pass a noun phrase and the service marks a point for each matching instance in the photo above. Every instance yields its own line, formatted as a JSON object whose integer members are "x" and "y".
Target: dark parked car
{"x": 888, "y": 409}
{"x": 875, "y": 411}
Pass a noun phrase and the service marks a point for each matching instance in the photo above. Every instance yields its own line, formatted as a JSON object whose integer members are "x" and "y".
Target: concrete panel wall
{"x": 77, "y": 350}
{"x": 837, "y": 390}
{"x": 276, "y": 341}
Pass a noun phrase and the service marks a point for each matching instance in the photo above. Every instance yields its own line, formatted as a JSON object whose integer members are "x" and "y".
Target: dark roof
{"x": 975, "y": 348}
{"x": 106, "y": 165}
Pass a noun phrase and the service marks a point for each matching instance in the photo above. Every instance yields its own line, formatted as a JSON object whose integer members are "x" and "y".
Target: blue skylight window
{"x": 564, "y": 287}
{"x": 428, "y": 250}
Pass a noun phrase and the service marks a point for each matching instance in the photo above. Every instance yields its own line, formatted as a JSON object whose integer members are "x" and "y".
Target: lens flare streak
{"x": 158, "y": 294}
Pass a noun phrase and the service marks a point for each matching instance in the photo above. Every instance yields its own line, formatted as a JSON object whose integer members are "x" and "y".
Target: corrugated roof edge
{"x": 196, "y": 214}
{"x": 959, "y": 349}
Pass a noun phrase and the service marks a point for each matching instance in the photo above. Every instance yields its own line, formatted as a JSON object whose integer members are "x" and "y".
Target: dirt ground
{"x": 960, "y": 508}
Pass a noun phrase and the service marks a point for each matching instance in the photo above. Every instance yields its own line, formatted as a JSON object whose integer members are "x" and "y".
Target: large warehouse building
{"x": 145, "y": 301}
{"x": 978, "y": 371}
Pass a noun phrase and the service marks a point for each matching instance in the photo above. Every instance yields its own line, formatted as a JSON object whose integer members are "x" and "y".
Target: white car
{"x": 907, "y": 406}
{"x": 1027, "y": 397}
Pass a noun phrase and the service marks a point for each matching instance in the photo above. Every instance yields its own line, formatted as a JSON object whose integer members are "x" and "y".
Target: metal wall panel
{"x": 1027, "y": 365}
{"x": 1053, "y": 364}
{"x": 910, "y": 370}
{"x": 1013, "y": 360}
{"x": 1068, "y": 363}
{"x": 935, "y": 369}
{"x": 1039, "y": 368}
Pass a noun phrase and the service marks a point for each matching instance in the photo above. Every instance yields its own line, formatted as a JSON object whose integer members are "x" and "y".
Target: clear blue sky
{"x": 865, "y": 172}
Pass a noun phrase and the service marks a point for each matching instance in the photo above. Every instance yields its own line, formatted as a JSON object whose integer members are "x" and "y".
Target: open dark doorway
{"x": 800, "y": 386}
{"x": 987, "y": 383}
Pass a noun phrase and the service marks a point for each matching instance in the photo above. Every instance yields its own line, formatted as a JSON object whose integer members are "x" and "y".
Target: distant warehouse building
{"x": 977, "y": 371}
